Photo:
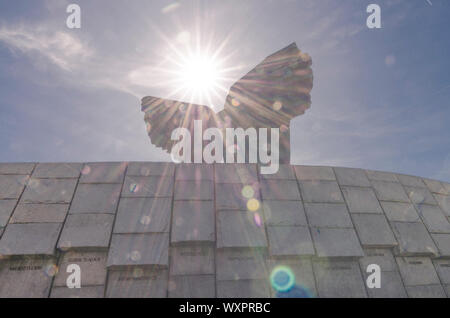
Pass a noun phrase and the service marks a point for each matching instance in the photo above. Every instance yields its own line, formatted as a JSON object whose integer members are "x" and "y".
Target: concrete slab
{"x": 137, "y": 283}
{"x": 442, "y": 267}
{"x": 6, "y": 209}
{"x": 435, "y": 186}
{"x": 57, "y": 170}
{"x": 49, "y": 191}
{"x": 29, "y": 239}
{"x": 352, "y": 177}
{"x": 381, "y": 256}
{"x": 284, "y": 213}
{"x": 151, "y": 249}
{"x": 290, "y": 241}
{"x": 420, "y": 195}
{"x": 391, "y": 286}
{"x": 434, "y": 218}
{"x": 443, "y": 243}
{"x": 328, "y": 215}
{"x": 430, "y": 291}
{"x": 243, "y": 289}
{"x": 83, "y": 292}
{"x": 136, "y": 187}
{"x": 191, "y": 172}
{"x": 241, "y": 263}
{"x": 285, "y": 172}
{"x": 381, "y": 176}
{"x": 444, "y": 202}
{"x": 361, "y": 200}
{"x": 16, "y": 168}
{"x": 235, "y": 173}
{"x": 194, "y": 190}
{"x": 40, "y": 213}
{"x": 147, "y": 169}
{"x": 198, "y": 286}
{"x": 417, "y": 271}
{"x": 193, "y": 221}
{"x": 96, "y": 198}
{"x": 400, "y": 212}
{"x": 26, "y": 278}
{"x": 193, "y": 259}
{"x": 413, "y": 239}
{"x": 11, "y": 186}
{"x": 239, "y": 229}
{"x": 321, "y": 192}
{"x": 339, "y": 279}
{"x": 143, "y": 215}
{"x": 280, "y": 190}
{"x": 336, "y": 242}
{"x": 390, "y": 191}
{"x": 314, "y": 173}
{"x": 235, "y": 196}
{"x": 410, "y": 181}
{"x": 92, "y": 266}
{"x": 103, "y": 172}
{"x": 373, "y": 230}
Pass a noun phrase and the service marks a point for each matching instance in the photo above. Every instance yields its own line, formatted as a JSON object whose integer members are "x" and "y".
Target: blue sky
{"x": 380, "y": 98}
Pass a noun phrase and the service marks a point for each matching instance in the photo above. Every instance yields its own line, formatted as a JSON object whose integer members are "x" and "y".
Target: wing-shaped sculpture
{"x": 269, "y": 96}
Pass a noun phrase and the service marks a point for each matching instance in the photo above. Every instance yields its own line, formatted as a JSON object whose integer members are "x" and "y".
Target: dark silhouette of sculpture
{"x": 269, "y": 96}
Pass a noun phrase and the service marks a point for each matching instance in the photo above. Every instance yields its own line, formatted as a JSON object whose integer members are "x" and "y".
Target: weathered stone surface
{"x": 143, "y": 215}
{"x": 230, "y": 196}
{"x": 40, "y": 213}
{"x": 26, "y": 278}
{"x": 391, "y": 286}
{"x": 139, "y": 249}
{"x": 194, "y": 259}
{"x": 373, "y": 230}
{"x": 381, "y": 176}
{"x": 49, "y": 191}
{"x": 147, "y": 169}
{"x": 198, "y": 286}
{"x": 444, "y": 202}
{"x": 328, "y": 215}
{"x": 235, "y": 173}
{"x": 435, "y": 186}
{"x": 83, "y": 292}
{"x": 314, "y": 173}
{"x": 340, "y": 279}
{"x": 92, "y": 266}
{"x": 86, "y": 231}
{"x": 284, "y": 213}
{"x": 137, "y": 283}
{"x": 239, "y": 229}
{"x": 16, "y": 168}
{"x": 192, "y": 172}
{"x": 290, "y": 241}
{"x": 361, "y": 200}
{"x": 96, "y": 198}
{"x": 57, "y": 170}
{"x": 352, "y": 177}
{"x": 410, "y": 181}
{"x": 336, "y": 242}
{"x": 243, "y": 289}
{"x": 280, "y": 190}
{"x": 429, "y": 291}
{"x": 103, "y": 172}
{"x": 193, "y": 221}
{"x": 381, "y": 256}
{"x": 413, "y": 239}
{"x": 285, "y": 172}
{"x": 29, "y": 239}
{"x": 6, "y": 209}
{"x": 241, "y": 263}
{"x": 11, "y": 186}
{"x": 400, "y": 212}
{"x": 302, "y": 270}
{"x": 420, "y": 195}
{"x": 321, "y": 191}
{"x": 147, "y": 187}
{"x": 194, "y": 190}
{"x": 443, "y": 269}
{"x": 417, "y": 271}
{"x": 390, "y": 191}
{"x": 434, "y": 218}
{"x": 443, "y": 243}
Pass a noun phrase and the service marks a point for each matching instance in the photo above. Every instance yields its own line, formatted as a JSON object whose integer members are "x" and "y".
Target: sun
{"x": 200, "y": 74}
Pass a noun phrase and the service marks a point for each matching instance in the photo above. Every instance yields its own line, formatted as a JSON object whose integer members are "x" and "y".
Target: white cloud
{"x": 60, "y": 48}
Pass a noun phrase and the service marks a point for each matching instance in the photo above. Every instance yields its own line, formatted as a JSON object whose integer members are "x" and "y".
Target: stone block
{"x": 417, "y": 271}
{"x": 194, "y": 172}
{"x": 192, "y": 259}
{"x": 435, "y": 186}
{"x": 83, "y": 292}
{"x": 400, "y": 212}
{"x": 103, "y": 172}
{"x": 194, "y": 190}
{"x": 390, "y": 191}
{"x": 381, "y": 176}
{"x": 235, "y": 173}
{"x": 241, "y": 263}
{"x": 40, "y": 213}
{"x": 443, "y": 269}
{"x": 352, "y": 177}
{"x": 96, "y": 198}
{"x": 137, "y": 283}
{"x": 328, "y": 215}
{"x": 381, "y": 256}
{"x": 410, "y": 181}
{"x": 57, "y": 170}
{"x": 444, "y": 202}
{"x": 16, "y": 168}
{"x": 290, "y": 241}
{"x": 413, "y": 239}
{"x": 284, "y": 213}
{"x": 420, "y": 195}
{"x": 147, "y": 169}
{"x": 197, "y": 286}
{"x": 11, "y": 186}
{"x": 336, "y": 242}
{"x": 434, "y": 218}
{"x": 235, "y": 196}
{"x": 280, "y": 190}
{"x": 391, "y": 286}
{"x": 193, "y": 221}
{"x": 321, "y": 192}
{"x": 243, "y": 289}
{"x": 429, "y": 291}
{"x": 136, "y": 187}
{"x": 239, "y": 229}
{"x": 49, "y": 191}
{"x": 443, "y": 243}
{"x": 314, "y": 173}
{"x": 373, "y": 230}
{"x": 361, "y": 200}
{"x": 285, "y": 172}
{"x": 6, "y": 209}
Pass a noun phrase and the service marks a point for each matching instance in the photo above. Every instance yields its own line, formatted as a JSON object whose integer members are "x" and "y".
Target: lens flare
{"x": 282, "y": 278}
{"x": 253, "y": 205}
